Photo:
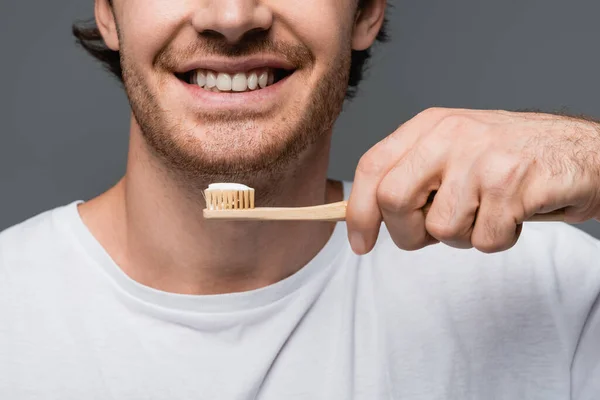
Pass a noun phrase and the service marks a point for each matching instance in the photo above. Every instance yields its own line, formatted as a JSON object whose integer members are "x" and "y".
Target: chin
{"x": 243, "y": 154}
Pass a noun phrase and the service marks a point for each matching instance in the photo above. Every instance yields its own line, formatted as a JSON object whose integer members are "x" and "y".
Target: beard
{"x": 221, "y": 152}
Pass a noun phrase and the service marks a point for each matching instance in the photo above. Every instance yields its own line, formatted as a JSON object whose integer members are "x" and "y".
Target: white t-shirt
{"x": 438, "y": 323}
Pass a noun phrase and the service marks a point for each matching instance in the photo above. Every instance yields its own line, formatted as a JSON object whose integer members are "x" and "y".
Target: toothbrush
{"x": 235, "y": 202}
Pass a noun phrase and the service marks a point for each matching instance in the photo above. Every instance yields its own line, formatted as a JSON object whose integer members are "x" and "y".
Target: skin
{"x": 501, "y": 167}
{"x": 491, "y": 169}
{"x": 151, "y": 222}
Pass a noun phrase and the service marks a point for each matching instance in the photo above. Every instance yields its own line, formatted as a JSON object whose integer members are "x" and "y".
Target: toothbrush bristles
{"x": 217, "y": 199}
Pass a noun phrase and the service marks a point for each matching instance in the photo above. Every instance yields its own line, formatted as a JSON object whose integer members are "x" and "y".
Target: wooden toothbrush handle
{"x": 326, "y": 212}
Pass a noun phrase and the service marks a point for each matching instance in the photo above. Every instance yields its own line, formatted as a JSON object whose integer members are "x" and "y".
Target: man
{"x": 133, "y": 295}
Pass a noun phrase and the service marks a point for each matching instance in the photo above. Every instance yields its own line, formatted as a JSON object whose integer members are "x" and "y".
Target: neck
{"x": 152, "y": 226}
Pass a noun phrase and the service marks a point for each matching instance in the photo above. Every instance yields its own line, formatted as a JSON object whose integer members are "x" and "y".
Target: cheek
{"x": 323, "y": 25}
{"x": 146, "y": 26}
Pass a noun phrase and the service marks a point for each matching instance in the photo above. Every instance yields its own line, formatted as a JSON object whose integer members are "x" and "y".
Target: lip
{"x": 256, "y": 101}
{"x": 231, "y": 66}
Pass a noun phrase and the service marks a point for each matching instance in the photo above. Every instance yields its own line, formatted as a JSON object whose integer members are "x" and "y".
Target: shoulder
{"x": 37, "y": 240}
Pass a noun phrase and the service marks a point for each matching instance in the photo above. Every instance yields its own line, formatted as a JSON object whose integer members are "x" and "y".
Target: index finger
{"x": 363, "y": 216}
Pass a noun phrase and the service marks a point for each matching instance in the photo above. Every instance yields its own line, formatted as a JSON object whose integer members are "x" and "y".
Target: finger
{"x": 496, "y": 226}
{"x": 408, "y": 232}
{"x": 404, "y": 191}
{"x": 547, "y": 194}
{"x": 363, "y": 216}
{"x": 452, "y": 214}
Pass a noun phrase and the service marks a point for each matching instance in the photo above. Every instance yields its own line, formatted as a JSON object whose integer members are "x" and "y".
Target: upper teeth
{"x": 239, "y": 82}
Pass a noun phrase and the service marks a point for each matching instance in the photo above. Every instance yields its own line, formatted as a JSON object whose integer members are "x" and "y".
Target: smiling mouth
{"x": 243, "y": 81}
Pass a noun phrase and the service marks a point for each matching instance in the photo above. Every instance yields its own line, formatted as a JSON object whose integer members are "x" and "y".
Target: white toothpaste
{"x": 214, "y": 200}
{"x": 228, "y": 186}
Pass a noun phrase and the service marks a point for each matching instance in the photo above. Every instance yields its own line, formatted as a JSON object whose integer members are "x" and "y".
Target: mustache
{"x": 298, "y": 55}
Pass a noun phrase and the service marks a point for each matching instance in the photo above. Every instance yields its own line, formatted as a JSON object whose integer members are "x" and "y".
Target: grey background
{"x": 64, "y": 121}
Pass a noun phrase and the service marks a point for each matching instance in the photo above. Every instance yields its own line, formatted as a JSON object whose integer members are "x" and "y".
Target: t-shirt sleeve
{"x": 585, "y": 372}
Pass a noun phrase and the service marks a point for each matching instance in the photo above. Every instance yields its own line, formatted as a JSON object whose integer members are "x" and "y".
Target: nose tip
{"x": 232, "y": 19}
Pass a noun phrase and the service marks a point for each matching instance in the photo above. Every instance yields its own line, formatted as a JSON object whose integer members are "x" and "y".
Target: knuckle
{"x": 502, "y": 172}
{"x": 433, "y": 112}
{"x": 445, "y": 232}
{"x": 370, "y": 164}
{"x": 392, "y": 198}
{"x": 539, "y": 202}
{"x": 470, "y": 130}
{"x": 431, "y": 149}
{"x": 452, "y": 124}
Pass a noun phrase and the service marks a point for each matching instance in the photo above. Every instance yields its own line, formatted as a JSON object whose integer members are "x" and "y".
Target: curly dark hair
{"x": 88, "y": 36}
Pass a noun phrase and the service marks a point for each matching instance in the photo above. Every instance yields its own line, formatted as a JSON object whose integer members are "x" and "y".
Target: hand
{"x": 491, "y": 169}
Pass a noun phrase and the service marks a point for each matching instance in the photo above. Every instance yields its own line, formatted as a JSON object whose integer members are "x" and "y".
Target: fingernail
{"x": 357, "y": 242}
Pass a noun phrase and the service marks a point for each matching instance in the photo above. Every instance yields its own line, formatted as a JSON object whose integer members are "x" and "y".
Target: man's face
{"x": 233, "y": 88}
